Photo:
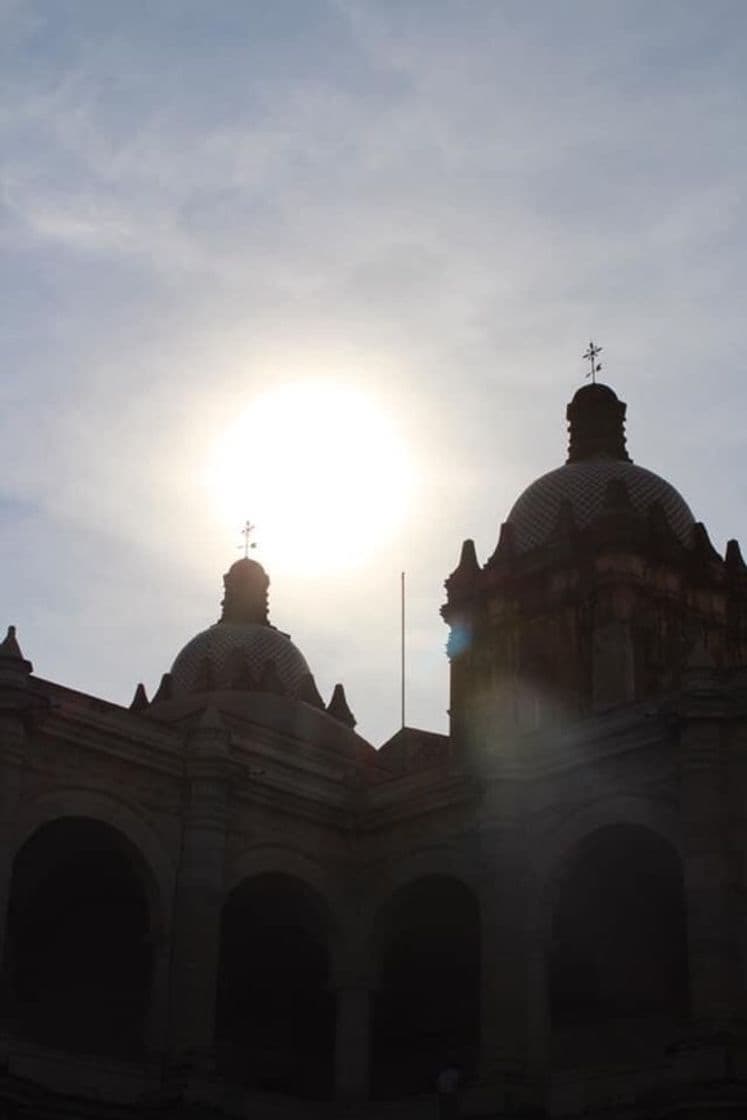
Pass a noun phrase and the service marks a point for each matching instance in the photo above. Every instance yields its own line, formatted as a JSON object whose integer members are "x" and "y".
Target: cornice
{"x": 152, "y": 751}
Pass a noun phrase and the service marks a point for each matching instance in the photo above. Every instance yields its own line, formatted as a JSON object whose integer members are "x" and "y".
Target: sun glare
{"x": 319, "y": 469}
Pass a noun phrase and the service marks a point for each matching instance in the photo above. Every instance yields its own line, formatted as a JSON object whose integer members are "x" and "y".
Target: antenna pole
{"x": 402, "y": 645}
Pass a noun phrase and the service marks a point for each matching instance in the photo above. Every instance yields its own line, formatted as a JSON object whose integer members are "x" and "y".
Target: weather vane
{"x": 591, "y": 357}
{"x": 246, "y": 533}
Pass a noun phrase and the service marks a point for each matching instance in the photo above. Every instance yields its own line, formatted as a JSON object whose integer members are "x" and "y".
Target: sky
{"x": 427, "y": 207}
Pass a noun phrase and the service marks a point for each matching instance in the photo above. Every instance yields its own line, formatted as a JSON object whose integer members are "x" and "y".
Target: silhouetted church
{"x": 224, "y": 901}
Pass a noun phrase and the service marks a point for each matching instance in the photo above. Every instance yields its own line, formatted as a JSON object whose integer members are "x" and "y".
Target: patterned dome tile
{"x": 535, "y": 513}
{"x": 224, "y": 642}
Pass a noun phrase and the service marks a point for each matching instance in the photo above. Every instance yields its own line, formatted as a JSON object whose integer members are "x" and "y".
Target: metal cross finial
{"x": 246, "y": 533}
{"x": 591, "y": 356}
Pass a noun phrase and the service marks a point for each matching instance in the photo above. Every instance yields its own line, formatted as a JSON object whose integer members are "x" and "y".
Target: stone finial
{"x": 734, "y": 562}
{"x": 309, "y": 693}
{"x": 505, "y": 550}
{"x": 139, "y": 700}
{"x": 468, "y": 564}
{"x": 701, "y": 544}
{"x": 596, "y": 425}
{"x": 15, "y": 670}
{"x": 9, "y": 647}
{"x": 165, "y": 689}
{"x": 338, "y": 707}
{"x": 466, "y": 571}
{"x": 246, "y": 584}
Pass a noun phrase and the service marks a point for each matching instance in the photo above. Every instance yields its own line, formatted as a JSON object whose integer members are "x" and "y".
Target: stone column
{"x": 199, "y": 894}
{"x": 503, "y": 981}
{"x": 157, "y": 1023}
{"x": 713, "y": 987}
{"x": 514, "y": 1007}
{"x": 353, "y": 1039}
{"x": 538, "y": 1004}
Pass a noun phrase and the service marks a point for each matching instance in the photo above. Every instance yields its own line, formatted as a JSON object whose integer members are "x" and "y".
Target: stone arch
{"x": 157, "y": 865}
{"x": 617, "y": 945}
{"x": 437, "y": 859}
{"x": 263, "y": 858}
{"x": 275, "y": 1012}
{"x": 557, "y": 845}
{"x": 80, "y": 955}
{"x": 281, "y": 859}
{"x": 426, "y": 951}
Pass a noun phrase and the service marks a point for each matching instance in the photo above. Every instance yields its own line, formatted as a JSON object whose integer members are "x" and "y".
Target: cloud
{"x": 440, "y": 201}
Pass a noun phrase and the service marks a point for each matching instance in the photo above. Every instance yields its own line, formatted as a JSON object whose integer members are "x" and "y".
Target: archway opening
{"x": 78, "y": 963}
{"x": 275, "y": 1016}
{"x": 427, "y": 1005}
{"x": 619, "y": 934}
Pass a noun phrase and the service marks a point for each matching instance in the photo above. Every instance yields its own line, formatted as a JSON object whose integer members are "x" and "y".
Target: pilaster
{"x": 199, "y": 892}
{"x": 505, "y": 966}
{"x": 711, "y": 949}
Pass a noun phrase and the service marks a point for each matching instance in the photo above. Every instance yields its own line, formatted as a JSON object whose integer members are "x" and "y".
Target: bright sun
{"x": 320, "y": 471}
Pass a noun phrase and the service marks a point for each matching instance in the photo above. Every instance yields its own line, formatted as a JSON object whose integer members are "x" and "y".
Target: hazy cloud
{"x": 442, "y": 199}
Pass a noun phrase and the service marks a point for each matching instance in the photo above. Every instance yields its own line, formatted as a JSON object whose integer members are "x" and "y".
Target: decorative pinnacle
{"x": 591, "y": 356}
{"x": 246, "y": 533}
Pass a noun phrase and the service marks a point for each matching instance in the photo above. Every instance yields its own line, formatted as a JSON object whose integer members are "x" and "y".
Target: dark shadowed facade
{"x": 223, "y": 901}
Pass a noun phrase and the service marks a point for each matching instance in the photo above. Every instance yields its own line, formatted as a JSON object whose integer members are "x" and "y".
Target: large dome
{"x": 233, "y": 648}
{"x": 583, "y": 484}
{"x": 597, "y": 457}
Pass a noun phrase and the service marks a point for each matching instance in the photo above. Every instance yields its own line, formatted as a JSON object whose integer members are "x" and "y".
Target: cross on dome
{"x": 591, "y": 356}
{"x": 246, "y": 533}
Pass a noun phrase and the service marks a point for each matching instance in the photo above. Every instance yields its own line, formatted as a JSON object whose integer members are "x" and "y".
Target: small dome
{"x": 583, "y": 484}
{"x": 242, "y": 650}
{"x": 231, "y": 646}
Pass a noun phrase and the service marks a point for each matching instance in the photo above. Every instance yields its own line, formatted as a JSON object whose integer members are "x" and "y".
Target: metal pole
{"x": 402, "y": 665}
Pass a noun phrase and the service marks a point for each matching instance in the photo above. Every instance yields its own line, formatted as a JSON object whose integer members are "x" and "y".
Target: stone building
{"x": 222, "y": 900}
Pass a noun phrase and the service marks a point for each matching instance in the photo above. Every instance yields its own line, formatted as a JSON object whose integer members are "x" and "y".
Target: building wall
{"x": 504, "y": 820}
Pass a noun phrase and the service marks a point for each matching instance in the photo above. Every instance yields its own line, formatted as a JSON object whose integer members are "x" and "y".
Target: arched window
{"x": 275, "y": 1013}
{"x": 427, "y": 1003}
{"x": 79, "y": 956}
{"x": 619, "y": 947}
